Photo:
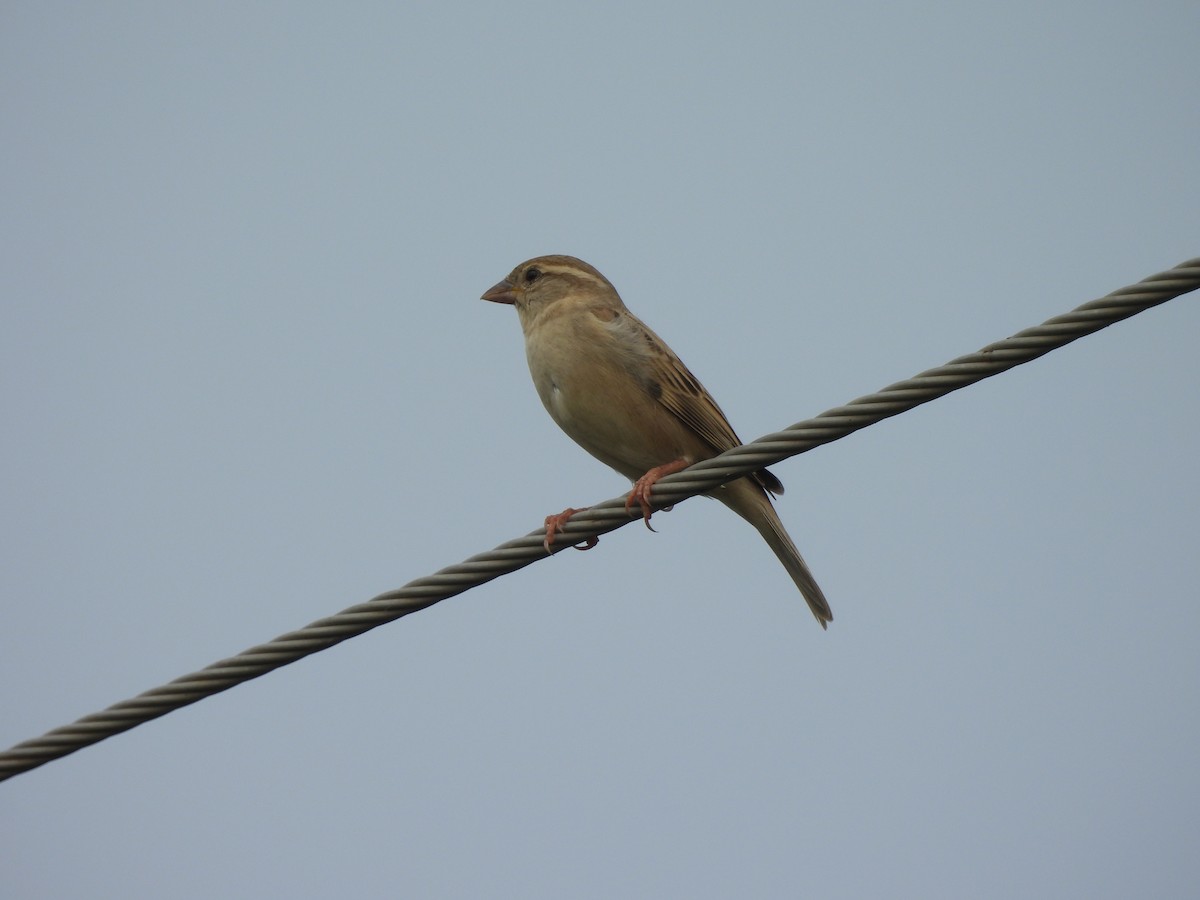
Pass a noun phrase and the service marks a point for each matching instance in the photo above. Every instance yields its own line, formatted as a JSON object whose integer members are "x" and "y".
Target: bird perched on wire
{"x": 618, "y": 391}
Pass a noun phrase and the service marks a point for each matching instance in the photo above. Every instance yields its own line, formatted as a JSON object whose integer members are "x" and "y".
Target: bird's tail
{"x": 751, "y": 502}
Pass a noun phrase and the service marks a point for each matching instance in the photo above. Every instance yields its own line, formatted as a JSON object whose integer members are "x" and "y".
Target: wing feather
{"x": 681, "y": 393}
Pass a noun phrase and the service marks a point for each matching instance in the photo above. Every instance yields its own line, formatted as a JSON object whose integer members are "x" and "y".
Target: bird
{"x": 618, "y": 390}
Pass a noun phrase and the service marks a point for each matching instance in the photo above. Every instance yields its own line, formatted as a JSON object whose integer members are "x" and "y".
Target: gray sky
{"x": 247, "y": 381}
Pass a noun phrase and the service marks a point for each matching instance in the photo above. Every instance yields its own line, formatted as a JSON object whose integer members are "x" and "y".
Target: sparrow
{"x": 618, "y": 390}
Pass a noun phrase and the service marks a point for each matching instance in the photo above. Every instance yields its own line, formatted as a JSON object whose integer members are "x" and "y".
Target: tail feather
{"x": 751, "y": 502}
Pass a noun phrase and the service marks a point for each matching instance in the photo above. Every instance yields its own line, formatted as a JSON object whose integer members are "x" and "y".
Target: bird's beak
{"x": 502, "y": 292}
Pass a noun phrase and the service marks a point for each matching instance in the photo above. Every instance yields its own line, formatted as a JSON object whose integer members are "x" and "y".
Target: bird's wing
{"x": 674, "y": 386}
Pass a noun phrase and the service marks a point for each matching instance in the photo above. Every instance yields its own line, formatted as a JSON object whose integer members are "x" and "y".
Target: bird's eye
{"x": 532, "y": 275}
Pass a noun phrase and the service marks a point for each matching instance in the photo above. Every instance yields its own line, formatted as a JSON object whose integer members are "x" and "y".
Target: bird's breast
{"x": 591, "y": 385}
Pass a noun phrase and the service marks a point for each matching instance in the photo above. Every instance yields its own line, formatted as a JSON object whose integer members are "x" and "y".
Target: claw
{"x": 643, "y": 486}
{"x": 554, "y": 525}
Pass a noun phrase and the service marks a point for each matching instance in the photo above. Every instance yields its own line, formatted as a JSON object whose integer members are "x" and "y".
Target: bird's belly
{"x": 613, "y": 419}
{"x": 588, "y": 388}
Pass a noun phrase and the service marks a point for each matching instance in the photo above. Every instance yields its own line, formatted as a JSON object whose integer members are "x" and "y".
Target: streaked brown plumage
{"x": 618, "y": 390}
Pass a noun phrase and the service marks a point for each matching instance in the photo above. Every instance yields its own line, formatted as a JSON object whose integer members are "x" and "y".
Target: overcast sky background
{"x": 247, "y": 381}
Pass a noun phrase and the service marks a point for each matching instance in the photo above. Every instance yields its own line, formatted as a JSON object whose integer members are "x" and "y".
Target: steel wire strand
{"x": 602, "y": 518}
{"x": 902, "y": 396}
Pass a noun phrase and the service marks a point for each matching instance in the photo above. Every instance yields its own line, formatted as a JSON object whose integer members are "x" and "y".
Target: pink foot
{"x": 554, "y": 525}
{"x": 642, "y": 487}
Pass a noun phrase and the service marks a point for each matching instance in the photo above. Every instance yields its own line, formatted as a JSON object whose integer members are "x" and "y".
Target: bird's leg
{"x": 641, "y": 488}
{"x": 554, "y": 524}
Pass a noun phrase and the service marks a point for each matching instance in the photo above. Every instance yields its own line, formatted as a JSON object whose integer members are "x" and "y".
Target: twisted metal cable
{"x": 603, "y": 518}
